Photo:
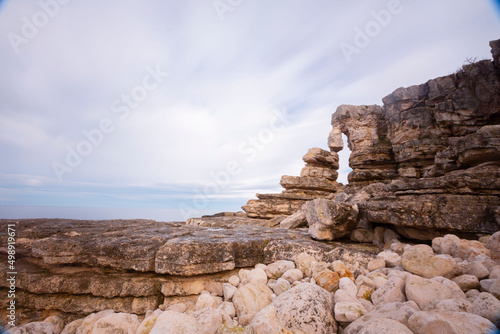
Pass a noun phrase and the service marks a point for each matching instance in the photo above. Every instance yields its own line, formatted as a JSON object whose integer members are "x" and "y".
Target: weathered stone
{"x": 423, "y": 291}
{"x": 466, "y": 282}
{"x": 386, "y": 326}
{"x": 420, "y": 260}
{"x": 307, "y": 308}
{"x": 391, "y": 259}
{"x": 455, "y": 305}
{"x": 293, "y": 275}
{"x": 170, "y": 322}
{"x": 280, "y": 286}
{"x": 348, "y": 312}
{"x": 391, "y": 291}
{"x": 249, "y": 300}
{"x": 73, "y": 326}
{"x": 298, "y": 219}
{"x": 277, "y": 269}
{"x": 447, "y": 322}
{"x": 487, "y": 306}
{"x": 362, "y": 235}
{"x": 209, "y": 320}
{"x": 477, "y": 269}
{"x": 376, "y": 264}
{"x": 494, "y": 288}
{"x": 116, "y": 323}
{"x": 493, "y": 245}
{"x": 329, "y": 220}
{"x": 149, "y": 321}
{"x": 399, "y": 312}
{"x": 327, "y": 279}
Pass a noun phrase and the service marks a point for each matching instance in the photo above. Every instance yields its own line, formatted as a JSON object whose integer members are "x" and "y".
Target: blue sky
{"x": 142, "y": 109}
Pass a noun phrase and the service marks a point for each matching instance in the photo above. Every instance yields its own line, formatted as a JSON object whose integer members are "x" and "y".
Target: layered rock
{"x": 314, "y": 294}
{"x": 71, "y": 268}
{"x": 317, "y": 179}
{"x": 429, "y": 158}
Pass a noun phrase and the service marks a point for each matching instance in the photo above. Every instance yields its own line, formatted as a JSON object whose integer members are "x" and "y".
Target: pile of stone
{"x": 451, "y": 287}
{"x": 317, "y": 179}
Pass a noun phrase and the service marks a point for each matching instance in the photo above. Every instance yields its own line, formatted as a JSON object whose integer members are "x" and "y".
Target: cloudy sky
{"x": 172, "y": 109}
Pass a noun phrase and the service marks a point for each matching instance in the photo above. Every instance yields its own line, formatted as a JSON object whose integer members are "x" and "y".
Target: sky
{"x": 175, "y": 109}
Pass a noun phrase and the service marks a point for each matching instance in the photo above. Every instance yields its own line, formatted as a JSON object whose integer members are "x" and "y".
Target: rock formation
{"x": 315, "y": 294}
{"x": 71, "y": 268}
{"x": 427, "y": 162}
{"x": 317, "y": 179}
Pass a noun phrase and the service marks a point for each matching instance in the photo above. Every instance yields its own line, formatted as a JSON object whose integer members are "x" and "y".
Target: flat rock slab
{"x": 161, "y": 247}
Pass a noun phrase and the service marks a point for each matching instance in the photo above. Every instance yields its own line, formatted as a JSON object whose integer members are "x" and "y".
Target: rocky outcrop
{"x": 427, "y": 162}
{"x": 291, "y": 297}
{"x": 433, "y": 151}
{"x": 317, "y": 179}
{"x": 72, "y": 268}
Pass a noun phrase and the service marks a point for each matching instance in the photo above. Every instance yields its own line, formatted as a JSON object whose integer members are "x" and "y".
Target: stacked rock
{"x": 317, "y": 179}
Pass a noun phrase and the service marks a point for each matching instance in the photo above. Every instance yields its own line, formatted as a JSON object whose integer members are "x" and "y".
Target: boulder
{"x": 391, "y": 291}
{"x": 329, "y": 220}
{"x": 448, "y": 322}
{"x": 386, "y": 326}
{"x": 396, "y": 311}
{"x": 116, "y": 323}
{"x": 170, "y": 322}
{"x": 249, "y": 300}
{"x": 420, "y": 260}
{"x": 423, "y": 291}
{"x": 307, "y": 308}
{"x": 487, "y": 306}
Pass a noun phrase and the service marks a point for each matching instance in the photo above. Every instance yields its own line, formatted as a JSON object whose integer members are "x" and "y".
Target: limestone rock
{"x": 249, "y": 300}
{"x": 447, "y": 322}
{"x": 420, "y": 260}
{"x": 391, "y": 291}
{"x": 329, "y": 220}
{"x": 298, "y": 219}
{"x": 390, "y": 258}
{"x": 73, "y": 326}
{"x": 493, "y": 245}
{"x": 277, "y": 269}
{"x": 280, "y": 286}
{"x": 327, "y": 279}
{"x": 455, "y": 305}
{"x": 90, "y": 320}
{"x": 170, "y": 322}
{"x": 487, "y": 306}
{"x": 209, "y": 320}
{"x": 423, "y": 291}
{"x": 293, "y": 275}
{"x": 116, "y": 323}
{"x": 386, "y": 326}
{"x": 396, "y": 311}
{"x": 307, "y": 308}
{"x": 467, "y": 282}
{"x": 149, "y": 321}
{"x": 348, "y": 312}
{"x": 40, "y": 327}
{"x": 376, "y": 264}
{"x": 494, "y": 289}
